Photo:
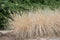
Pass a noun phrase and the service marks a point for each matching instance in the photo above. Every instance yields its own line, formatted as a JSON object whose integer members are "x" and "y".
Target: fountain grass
{"x": 38, "y": 23}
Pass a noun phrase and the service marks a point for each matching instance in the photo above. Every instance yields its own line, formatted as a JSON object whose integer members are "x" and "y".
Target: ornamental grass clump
{"x": 40, "y": 23}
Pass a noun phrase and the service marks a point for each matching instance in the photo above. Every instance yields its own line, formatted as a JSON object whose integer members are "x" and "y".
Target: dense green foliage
{"x": 20, "y": 5}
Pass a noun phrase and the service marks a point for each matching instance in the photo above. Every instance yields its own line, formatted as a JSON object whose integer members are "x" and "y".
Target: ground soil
{"x": 9, "y": 36}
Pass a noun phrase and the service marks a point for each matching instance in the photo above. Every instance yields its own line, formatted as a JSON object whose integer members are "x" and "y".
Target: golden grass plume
{"x": 40, "y": 23}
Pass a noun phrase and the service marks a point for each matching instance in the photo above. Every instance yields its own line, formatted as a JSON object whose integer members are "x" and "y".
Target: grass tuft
{"x": 40, "y": 23}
